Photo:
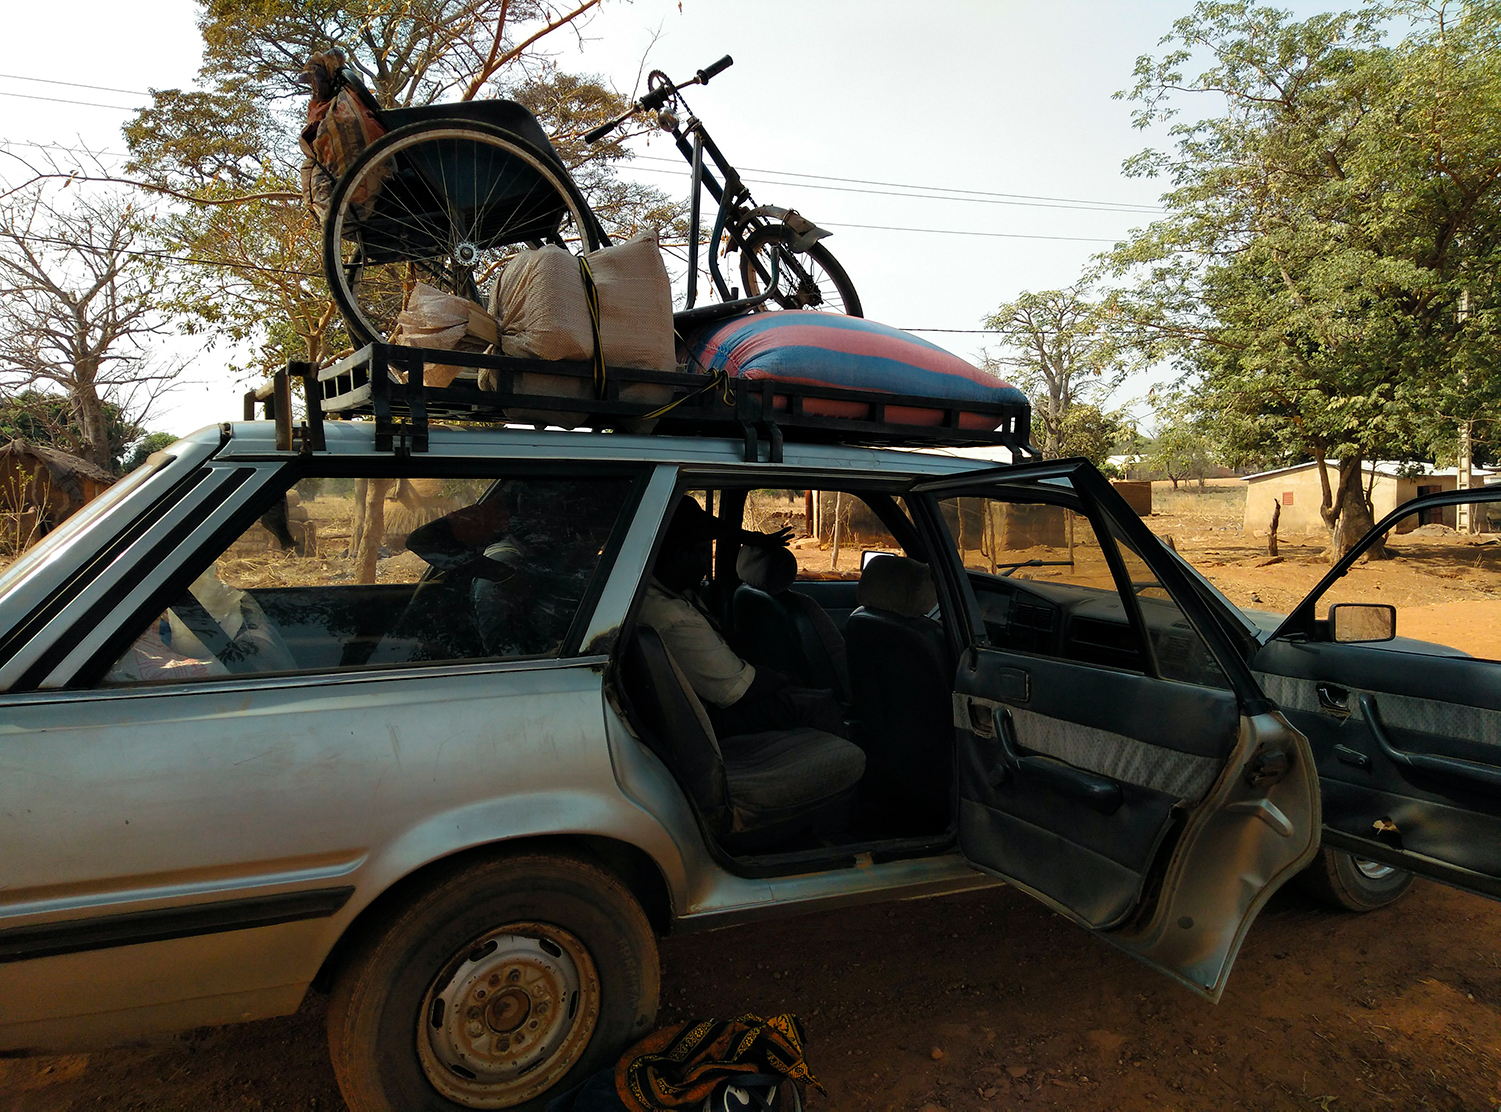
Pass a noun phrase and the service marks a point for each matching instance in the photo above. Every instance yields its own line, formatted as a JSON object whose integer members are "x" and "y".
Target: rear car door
{"x": 1392, "y": 668}
{"x": 207, "y": 762}
{"x": 1115, "y": 757}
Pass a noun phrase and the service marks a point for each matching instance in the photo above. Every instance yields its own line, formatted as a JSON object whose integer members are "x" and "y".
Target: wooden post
{"x": 1271, "y": 537}
{"x": 374, "y": 531}
{"x": 838, "y": 507}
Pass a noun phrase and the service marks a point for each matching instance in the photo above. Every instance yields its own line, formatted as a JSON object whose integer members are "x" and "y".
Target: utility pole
{"x": 1464, "y": 477}
{"x": 1464, "y": 519}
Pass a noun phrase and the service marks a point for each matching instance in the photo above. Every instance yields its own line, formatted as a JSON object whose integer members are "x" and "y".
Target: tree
{"x": 81, "y": 298}
{"x": 232, "y": 144}
{"x": 1181, "y": 448}
{"x": 1089, "y": 431}
{"x": 1325, "y": 228}
{"x": 143, "y": 449}
{"x": 1061, "y": 349}
{"x": 46, "y": 417}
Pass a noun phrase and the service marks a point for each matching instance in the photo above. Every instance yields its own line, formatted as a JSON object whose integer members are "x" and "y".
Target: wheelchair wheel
{"x": 446, "y": 203}
{"x": 811, "y": 279}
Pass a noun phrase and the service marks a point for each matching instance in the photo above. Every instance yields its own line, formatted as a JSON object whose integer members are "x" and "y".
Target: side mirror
{"x": 1362, "y": 621}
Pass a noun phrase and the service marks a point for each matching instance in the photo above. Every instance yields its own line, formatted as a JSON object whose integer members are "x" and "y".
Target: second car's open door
{"x": 1405, "y": 718}
{"x": 1115, "y": 757}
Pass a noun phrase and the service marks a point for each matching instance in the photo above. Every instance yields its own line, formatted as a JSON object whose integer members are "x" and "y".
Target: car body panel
{"x": 139, "y": 804}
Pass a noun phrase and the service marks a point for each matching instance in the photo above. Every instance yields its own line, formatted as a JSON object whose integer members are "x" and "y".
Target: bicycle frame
{"x": 735, "y": 219}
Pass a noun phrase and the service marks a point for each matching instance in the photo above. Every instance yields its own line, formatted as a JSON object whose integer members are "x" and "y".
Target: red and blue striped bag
{"x": 809, "y": 348}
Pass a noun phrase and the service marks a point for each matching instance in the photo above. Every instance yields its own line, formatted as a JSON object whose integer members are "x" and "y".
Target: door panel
{"x": 1446, "y": 807}
{"x": 1157, "y": 811}
{"x": 836, "y": 596}
{"x": 1034, "y": 826}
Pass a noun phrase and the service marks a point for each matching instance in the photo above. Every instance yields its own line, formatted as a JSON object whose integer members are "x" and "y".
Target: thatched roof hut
{"x": 40, "y": 486}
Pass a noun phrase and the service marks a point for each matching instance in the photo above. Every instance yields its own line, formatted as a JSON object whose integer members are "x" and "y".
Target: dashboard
{"x": 1091, "y": 626}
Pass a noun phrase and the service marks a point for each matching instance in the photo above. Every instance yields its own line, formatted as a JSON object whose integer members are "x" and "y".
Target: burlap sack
{"x": 434, "y": 319}
{"x": 539, "y": 302}
{"x": 543, "y": 313}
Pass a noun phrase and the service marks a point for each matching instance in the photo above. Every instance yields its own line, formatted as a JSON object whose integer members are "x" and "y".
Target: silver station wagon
{"x": 391, "y": 724}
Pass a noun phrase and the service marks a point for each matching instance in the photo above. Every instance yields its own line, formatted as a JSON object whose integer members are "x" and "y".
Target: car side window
{"x": 834, "y": 532}
{"x": 1430, "y": 586}
{"x": 348, "y": 572}
{"x": 1043, "y": 580}
{"x": 1181, "y": 653}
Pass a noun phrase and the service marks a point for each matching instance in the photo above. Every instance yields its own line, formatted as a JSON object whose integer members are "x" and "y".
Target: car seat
{"x": 903, "y": 682}
{"x": 754, "y": 790}
{"x": 783, "y": 629}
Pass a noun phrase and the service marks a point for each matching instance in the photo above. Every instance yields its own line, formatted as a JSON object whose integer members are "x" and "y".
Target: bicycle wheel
{"x": 446, "y": 203}
{"x": 811, "y": 279}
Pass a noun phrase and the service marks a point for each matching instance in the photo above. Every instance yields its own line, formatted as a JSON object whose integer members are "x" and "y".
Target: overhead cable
{"x": 85, "y": 103}
{"x": 73, "y": 84}
{"x": 1125, "y": 205}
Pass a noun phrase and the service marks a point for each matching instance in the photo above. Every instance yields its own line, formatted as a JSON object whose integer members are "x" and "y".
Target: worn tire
{"x": 1336, "y": 879}
{"x": 447, "y": 944}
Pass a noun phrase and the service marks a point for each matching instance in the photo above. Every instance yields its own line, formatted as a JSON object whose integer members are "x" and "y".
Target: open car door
{"x": 1390, "y": 667}
{"x": 1116, "y": 758}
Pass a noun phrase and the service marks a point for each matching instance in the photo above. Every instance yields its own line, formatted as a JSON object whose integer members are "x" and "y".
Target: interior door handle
{"x": 1485, "y": 776}
{"x": 1099, "y": 793}
{"x": 1334, "y": 700}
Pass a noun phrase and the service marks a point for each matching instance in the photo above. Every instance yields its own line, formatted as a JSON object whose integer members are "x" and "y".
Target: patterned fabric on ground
{"x": 679, "y": 1067}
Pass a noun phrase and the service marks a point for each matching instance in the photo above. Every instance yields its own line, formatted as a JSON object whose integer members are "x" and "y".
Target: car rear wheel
{"x": 1352, "y": 883}
{"x": 497, "y": 986}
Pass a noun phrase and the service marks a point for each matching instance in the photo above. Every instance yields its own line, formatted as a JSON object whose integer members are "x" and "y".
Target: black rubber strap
{"x": 591, "y": 296}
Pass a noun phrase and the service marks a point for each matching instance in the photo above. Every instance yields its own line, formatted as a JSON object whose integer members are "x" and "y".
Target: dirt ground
{"x": 984, "y": 1001}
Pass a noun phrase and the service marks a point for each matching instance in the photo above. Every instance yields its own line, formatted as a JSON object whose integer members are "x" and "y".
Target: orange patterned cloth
{"x": 679, "y": 1067}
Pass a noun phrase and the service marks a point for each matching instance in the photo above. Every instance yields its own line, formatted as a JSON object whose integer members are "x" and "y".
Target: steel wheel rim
{"x": 1372, "y": 870}
{"x": 465, "y": 262}
{"x": 508, "y": 1016}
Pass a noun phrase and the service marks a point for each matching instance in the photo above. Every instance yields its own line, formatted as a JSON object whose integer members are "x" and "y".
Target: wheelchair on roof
{"x": 445, "y": 196}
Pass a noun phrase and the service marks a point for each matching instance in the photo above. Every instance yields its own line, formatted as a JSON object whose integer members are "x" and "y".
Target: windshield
{"x": 41, "y": 552}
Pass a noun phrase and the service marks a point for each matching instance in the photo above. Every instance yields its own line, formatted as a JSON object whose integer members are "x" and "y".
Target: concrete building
{"x": 1300, "y": 492}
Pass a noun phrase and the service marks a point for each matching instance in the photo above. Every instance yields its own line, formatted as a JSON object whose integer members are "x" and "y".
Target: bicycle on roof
{"x": 779, "y": 248}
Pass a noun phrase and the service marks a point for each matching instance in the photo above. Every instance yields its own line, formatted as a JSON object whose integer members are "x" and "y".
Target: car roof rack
{"x": 369, "y": 383}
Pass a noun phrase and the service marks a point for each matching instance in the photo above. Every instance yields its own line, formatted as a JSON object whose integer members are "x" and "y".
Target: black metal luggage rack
{"x": 362, "y": 385}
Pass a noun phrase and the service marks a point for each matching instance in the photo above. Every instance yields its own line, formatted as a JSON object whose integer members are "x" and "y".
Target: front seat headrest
{"x": 769, "y": 568}
{"x": 898, "y": 585}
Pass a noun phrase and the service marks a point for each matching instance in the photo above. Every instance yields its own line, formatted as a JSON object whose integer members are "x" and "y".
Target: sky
{"x": 868, "y": 116}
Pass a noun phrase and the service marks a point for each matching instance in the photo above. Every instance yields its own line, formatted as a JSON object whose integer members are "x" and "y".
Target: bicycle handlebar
{"x": 715, "y": 70}
{"x": 660, "y": 96}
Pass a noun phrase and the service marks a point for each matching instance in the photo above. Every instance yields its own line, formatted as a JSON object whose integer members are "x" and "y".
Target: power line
{"x": 74, "y": 84}
{"x": 1062, "y": 205}
{"x": 963, "y": 232}
{"x": 1126, "y": 205}
{"x": 85, "y": 103}
{"x": 143, "y": 253}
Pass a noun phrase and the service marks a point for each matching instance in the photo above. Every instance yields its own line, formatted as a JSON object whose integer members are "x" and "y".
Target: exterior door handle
{"x": 1334, "y": 700}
